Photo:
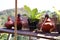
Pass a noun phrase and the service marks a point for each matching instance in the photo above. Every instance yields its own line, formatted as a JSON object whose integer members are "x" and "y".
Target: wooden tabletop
{"x": 29, "y": 33}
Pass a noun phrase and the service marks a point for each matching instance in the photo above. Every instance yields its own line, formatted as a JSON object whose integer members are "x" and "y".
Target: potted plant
{"x": 33, "y": 17}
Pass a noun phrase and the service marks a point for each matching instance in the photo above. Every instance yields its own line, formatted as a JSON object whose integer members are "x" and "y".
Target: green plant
{"x": 33, "y": 14}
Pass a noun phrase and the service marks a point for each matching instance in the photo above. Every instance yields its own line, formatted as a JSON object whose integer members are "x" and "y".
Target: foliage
{"x": 33, "y": 14}
{"x": 3, "y": 36}
{"x": 27, "y": 8}
{"x": 58, "y": 13}
{"x": 21, "y": 37}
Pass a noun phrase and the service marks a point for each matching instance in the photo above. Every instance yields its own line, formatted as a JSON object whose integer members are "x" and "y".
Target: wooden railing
{"x": 51, "y": 36}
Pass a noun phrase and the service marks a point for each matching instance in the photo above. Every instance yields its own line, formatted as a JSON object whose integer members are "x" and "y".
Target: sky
{"x": 39, "y": 4}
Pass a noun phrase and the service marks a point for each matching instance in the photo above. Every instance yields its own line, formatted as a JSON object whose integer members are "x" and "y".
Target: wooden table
{"x": 51, "y": 36}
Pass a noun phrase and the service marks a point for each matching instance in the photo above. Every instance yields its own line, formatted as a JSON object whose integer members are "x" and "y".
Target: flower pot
{"x": 32, "y": 25}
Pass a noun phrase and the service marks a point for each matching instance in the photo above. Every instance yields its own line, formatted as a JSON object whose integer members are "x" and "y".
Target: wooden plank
{"x": 29, "y": 33}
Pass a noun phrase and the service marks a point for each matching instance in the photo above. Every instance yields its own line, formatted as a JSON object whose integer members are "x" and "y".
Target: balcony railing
{"x": 51, "y": 36}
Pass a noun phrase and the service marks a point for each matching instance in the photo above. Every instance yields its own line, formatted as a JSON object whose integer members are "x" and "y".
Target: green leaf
{"x": 27, "y": 8}
{"x": 40, "y": 14}
{"x": 34, "y": 12}
{"x": 37, "y": 16}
